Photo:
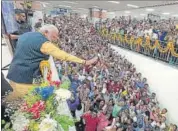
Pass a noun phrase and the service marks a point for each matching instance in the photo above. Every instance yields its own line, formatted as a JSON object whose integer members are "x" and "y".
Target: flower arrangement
{"x": 39, "y": 110}
{"x": 48, "y": 124}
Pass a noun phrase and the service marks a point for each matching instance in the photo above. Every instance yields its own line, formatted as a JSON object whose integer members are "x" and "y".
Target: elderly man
{"x": 32, "y": 48}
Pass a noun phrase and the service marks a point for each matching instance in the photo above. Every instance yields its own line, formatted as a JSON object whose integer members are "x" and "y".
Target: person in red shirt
{"x": 91, "y": 120}
{"x": 110, "y": 86}
{"x": 92, "y": 30}
{"x": 116, "y": 87}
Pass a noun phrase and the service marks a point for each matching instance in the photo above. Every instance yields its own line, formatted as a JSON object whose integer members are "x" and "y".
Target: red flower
{"x": 35, "y": 109}
{"x": 49, "y": 76}
{"x": 56, "y": 83}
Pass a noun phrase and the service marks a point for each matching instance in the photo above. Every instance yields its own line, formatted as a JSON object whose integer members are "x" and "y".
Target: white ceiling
{"x": 163, "y": 11}
{"x": 118, "y": 9}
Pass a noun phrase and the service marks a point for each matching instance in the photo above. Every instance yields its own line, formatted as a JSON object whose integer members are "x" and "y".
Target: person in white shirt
{"x": 78, "y": 114}
{"x": 146, "y": 31}
{"x": 79, "y": 111}
{"x": 150, "y": 31}
{"x": 154, "y": 36}
{"x": 81, "y": 75}
{"x": 162, "y": 126}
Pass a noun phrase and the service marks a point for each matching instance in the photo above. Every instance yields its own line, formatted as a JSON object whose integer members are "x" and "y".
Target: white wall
{"x": 36, "y": 16}
{"x": 162, "y": 79}
{"x": 138, "y": 13}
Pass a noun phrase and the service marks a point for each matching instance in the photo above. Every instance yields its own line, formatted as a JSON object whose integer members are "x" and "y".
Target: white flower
{"x": 48, "y": 124}
{"x": 60, "y": 109}
{"x": 20, "y": 122}
{"x": 62, "y": 94}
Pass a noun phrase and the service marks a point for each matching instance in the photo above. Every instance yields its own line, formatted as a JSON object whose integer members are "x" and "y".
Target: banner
{"x": 8, "y": 15}
{"x": 58, "y": 11}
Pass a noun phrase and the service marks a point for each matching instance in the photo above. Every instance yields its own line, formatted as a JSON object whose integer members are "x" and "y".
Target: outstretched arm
{"x": 50, "y": 49}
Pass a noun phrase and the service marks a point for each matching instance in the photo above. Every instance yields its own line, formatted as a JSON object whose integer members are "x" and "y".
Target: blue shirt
{"x": 25, "y": 64}
{"x": 140, "y": 85}
{"x": 73, "y": 105}
{"x": 91, "y": 95}
{"x": 74, "y": 84}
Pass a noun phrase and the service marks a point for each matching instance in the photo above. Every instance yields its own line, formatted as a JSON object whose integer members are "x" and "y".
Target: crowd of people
{"x": 110, "y": 95}
{"x": 163, "y": 30}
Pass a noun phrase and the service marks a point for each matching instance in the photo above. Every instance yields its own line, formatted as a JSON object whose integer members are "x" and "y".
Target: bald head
{"x": 50, "y": 31}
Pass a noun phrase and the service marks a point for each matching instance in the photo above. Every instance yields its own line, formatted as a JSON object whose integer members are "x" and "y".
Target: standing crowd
{"x": 163, "y": 30}
{"x": 110, "y": 95}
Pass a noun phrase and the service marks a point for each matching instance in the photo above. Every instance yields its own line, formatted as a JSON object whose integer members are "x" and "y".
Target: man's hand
{"x": 14, "y": 37}
{"x": 92, "y": 61}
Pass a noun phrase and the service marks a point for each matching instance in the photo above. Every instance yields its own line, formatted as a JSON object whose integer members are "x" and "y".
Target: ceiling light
{"x": 115, "y": 2}
{"x": 111, "y": 12}
{"x": 166, "y": 13}
{"x": 82, "y": 9}
{"x": 150, "y": 9}
{"x": 84, "y": 15}
{"x": 44, "y": 5}
{"x": 176, "y": 15}
{"x": 65, "y": 6}
{"x": 134, "y": 6}
{"x": 142, "y": 14}
{"x": 75, "y": 10}
{"x": 96, "y": 6}
{"x": 70, "y": 2}
{"x": 127, "y": 12}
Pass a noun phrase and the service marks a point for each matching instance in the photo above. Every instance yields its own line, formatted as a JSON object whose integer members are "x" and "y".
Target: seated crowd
{"x": 110, "y": 95}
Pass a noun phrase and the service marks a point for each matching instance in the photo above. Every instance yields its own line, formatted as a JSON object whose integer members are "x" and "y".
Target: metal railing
{"x": 164, "y": 51}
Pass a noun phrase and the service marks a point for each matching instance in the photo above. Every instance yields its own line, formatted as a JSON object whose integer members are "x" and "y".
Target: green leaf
{"x": 64, "y": 121}
{"x": 7, "y": 125}
{"x": 33, "y": 126}
{"x": 3, "y": 122}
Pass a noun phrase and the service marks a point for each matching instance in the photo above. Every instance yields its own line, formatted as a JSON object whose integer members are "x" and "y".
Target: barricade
{"x": 164, "y": 51}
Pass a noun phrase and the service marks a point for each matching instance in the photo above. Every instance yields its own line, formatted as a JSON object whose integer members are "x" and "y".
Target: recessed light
{"x": 70, "y": 2}
{"x": 96, "y": 6}
{"x": 65, "y": 6}
{"x": 127, "y": 12}
{"x": 44, "y": 5}
{"x": 142, "y": 14}
{"x": 111, "y": 12}
{"x": 176, "y": 15}
{"x": 166, "y": 13}
{"x": 115, "y": 2}
{"x": 150, "y": 9}
{"x": 82, "y": 9}
{"x": 134, "y": 6}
